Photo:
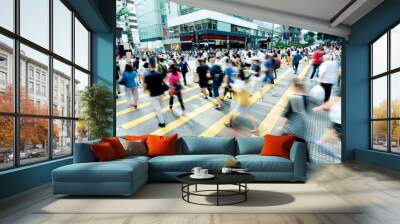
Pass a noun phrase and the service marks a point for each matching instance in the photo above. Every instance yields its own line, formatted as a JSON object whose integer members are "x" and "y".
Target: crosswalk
{"x": 201, "y": 118}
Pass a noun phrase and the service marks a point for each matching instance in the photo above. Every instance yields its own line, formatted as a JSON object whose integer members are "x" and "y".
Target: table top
{"x": 220, "y": 178}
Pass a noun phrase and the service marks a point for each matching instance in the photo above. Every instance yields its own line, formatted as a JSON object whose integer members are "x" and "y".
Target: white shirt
{"x": 329, "y": 72}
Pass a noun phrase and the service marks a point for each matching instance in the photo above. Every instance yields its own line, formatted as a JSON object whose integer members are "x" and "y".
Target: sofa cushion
{"x": 83, "y": 152}
{"x": 103, "y": 152}
{"x": 161, "y": 145}
{"x": 277, "y": 145}
{"x": 257, "y": 163}
{"x": 185, "y": 163}
{"x": 204, "y": 145}
{"x": 249, "y": 145}
{"x": 112, "y": 171}
{"x": 116, "y": 145}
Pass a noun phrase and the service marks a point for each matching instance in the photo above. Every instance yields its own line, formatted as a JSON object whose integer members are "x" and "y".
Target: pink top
{"x": 172, "y": 79}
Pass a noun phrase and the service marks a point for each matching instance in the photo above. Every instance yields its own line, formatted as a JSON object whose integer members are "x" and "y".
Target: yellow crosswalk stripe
{"x": 268, "y": 124}
{"x": 180, "y": 121}
{"x": 123, "y": 101}
{"x": 151, "y": 115}
{"x": 220, "y": 124}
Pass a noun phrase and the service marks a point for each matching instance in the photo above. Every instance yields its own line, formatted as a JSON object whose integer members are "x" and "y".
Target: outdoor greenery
{"x": 96, "y": 103}
{"x": 380, "y": 128}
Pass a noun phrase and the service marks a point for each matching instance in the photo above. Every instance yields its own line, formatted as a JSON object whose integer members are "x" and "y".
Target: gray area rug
{"x": 166, "y": 198}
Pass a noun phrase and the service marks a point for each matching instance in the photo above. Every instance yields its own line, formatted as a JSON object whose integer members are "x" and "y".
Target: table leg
{"x": 195, "y": 188}
{"x": 245, "y": 193}
{"x": 217, "y": 194}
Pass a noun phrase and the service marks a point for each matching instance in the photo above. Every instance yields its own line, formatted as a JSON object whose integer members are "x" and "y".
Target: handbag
{"x": 122, "y": 82}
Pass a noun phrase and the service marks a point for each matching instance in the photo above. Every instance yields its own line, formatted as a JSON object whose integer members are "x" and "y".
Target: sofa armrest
{"x": 298, "y": 155}
{"x": 83, "y": 152}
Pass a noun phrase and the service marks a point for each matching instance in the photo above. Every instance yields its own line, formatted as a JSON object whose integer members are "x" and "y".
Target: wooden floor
{"x": 378, "y": 189}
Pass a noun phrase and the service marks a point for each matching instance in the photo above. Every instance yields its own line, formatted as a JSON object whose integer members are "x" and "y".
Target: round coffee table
{"x": 238, "y": 179}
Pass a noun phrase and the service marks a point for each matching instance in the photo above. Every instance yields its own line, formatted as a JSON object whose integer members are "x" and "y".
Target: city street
{"x": 203, "y": 120}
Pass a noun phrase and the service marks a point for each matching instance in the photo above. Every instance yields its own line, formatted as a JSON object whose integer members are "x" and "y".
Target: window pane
{"x": 62, "y": 89}
{"x": 6, "y": 142}
{"x": 395, "y": 94}
{"x": 6, "y": 74}
{"x": 81, "y": 82}
{"x": 34, "y": 97}
{"x": 81, "y": 131}
{"x": 379, "y": 97}
{"x": 35, "y": 21}
{"x": 379, "y": 135}
{"x": 395, "y": 47}
{"x": 379, "y": 55}
{"x": 62, "y": 138}
{"x": 395, "y": 136}
{"x": 81, "y": 45}
{"x": 7, "y": 14}
{"x": 62, "y": 29}
{"x": 33, "y": 139}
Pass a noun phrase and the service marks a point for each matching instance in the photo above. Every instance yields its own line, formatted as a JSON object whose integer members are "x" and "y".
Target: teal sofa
{"x": 125, "y": 176}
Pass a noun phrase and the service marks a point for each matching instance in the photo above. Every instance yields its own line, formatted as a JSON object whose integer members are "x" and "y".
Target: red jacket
{"x": 316, "y": 59}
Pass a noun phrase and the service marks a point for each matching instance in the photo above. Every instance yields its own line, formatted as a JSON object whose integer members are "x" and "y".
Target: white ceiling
{"x": 315, "y": 15}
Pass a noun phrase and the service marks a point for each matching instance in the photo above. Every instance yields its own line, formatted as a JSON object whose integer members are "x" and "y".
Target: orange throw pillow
{"x": 277, "y": 145}
{"x": 116, "y": 145}
{"x": 103, "y": 152}
{"x": 161, "y": 145}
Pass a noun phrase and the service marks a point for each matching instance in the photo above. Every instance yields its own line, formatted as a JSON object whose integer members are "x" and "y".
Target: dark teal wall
{"x": 24, "y": 178}
{"x": 99, "y": 16}
{"x": 356, "y": 91}
{"x": 103, "y": 65}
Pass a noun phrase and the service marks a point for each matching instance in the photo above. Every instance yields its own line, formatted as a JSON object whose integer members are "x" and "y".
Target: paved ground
{"x": 203, "y": 120}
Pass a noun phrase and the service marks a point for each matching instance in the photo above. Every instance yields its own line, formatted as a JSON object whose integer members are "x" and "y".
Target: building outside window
{"x": 385, "y": 96}
{"x": 55, "y": 127}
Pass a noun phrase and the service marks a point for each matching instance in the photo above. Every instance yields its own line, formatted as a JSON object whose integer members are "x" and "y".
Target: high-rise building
{"x": 127, "y": 25}
{"x": 152, "y": 23}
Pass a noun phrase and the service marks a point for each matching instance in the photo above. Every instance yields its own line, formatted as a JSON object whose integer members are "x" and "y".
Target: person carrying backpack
{"x": 175, "y": 87}
{"x": 183, "y": 65}
{"x": 161, "y": 68}
{"x": 217, "y": 77}
{"x": 277, "y": 64}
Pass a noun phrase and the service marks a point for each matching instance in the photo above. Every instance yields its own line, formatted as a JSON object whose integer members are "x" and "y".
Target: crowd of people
{"x": 222, "y": 74}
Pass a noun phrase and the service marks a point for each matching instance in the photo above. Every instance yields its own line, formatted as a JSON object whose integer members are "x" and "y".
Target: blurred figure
{"x": 241, "y": 105}
{"x": 175, "y": 87}
{"x": 316, "y": 62}
{"x": 329, "y": 73}
{"x": 256, "y": 79}
{"x": 296, "y": 61}
{"x": 229, "y": 77}
{"x": 293, "y": 121}
{"x": 117, "y": 77}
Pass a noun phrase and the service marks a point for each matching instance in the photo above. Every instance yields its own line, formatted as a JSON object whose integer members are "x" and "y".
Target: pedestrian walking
{"x": 202, "y": 71}
{"x": 329, "y": 70}
{"x": 129, "y": 77}
{"x": 230, "y": 76}
{"x": 154, "y": 84}
{"x": 217, "y": 77}
{"x": 296, "y": 61}
{"x": 184, "y": 67}
{"x": 175, "y": 87}
{"x": 316, "y": 62}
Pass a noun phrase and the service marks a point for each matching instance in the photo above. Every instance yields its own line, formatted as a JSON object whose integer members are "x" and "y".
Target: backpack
{"x": 163, "y": 70}
{"x": 219, "y": 76}
{"x": 277, "y": 63}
